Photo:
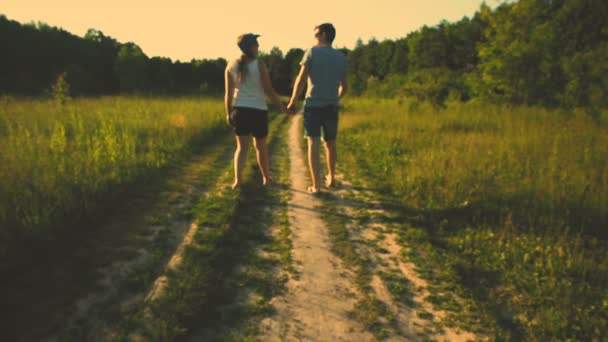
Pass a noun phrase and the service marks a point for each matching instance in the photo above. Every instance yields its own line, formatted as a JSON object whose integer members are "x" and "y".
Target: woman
{"x": 247, "y": 81}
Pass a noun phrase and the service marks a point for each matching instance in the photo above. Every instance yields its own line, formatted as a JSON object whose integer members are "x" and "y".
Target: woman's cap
{"x": 247, "y": 41}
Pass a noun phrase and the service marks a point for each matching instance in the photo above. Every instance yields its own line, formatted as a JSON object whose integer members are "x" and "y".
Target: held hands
{"x": 283, "y": 108}
{"x": 291, "y": 107}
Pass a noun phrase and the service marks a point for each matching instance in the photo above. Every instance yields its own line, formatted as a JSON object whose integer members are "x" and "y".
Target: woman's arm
{"x": 267, "y": 85}
{"x": 228, "y": 96}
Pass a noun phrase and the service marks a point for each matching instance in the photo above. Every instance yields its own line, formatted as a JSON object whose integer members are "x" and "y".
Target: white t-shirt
{"x": 248, "y": 92}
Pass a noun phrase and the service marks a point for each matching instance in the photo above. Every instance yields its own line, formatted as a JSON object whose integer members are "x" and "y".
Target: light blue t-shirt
{"x": 327, "y": 68}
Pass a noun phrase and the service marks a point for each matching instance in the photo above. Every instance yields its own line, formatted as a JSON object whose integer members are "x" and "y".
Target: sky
{"x": 187, "y": 29}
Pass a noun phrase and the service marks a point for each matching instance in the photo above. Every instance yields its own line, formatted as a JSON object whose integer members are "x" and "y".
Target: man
{"x": 325, "y": 69}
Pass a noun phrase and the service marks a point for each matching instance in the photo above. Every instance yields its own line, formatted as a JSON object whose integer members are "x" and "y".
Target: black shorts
{"x": 249, "y": 121}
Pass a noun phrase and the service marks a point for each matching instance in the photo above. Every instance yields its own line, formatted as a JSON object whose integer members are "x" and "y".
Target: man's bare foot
{"x": 311, "y": 189}
{"x": 236, "y": 184}
{"x": 329, "y": 181}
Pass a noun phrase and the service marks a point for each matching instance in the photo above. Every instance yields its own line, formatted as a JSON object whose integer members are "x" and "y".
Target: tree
{"x": 356, "y": 76}
{"x": 369, "y": 58}
{"x": 529, "y": 44}
{"x": 428, "y": 48}
{"x": 587, "y": 82}
{"x": 131, "y": 68}
{"x": 384, "y": 57}
{"x": 278, "y": 70}
{"x": 462, "y": 38}
{"x": 400, "y": 59}
{"x": 293, "y": 57}
{"x": 160, "y": 75}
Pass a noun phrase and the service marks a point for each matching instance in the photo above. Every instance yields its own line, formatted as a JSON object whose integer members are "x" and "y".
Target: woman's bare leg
{"x": 240, "y": 157}
{"x": 261, "y": 149}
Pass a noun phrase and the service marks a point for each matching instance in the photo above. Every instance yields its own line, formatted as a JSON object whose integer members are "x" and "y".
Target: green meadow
{"x": 60, "y": 162}
{"x": 506, "y": 205}
{"x": 509, "y": 205}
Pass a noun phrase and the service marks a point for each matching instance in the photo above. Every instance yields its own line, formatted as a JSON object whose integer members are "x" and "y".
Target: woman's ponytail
{"x": 242, "y": 65}
{"x": 242, "y": 68}
{"x": 246, "y": 42}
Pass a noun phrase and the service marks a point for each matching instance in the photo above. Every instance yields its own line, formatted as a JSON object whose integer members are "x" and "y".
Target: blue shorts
{"x": 325, "y": 117}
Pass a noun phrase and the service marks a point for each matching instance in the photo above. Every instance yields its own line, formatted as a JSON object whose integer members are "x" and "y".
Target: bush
{"x": 61, "y": 89}
{"x": 428, "y": 85}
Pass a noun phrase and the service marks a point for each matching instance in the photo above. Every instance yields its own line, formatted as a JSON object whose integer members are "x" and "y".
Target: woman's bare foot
{"x": 312, "y": 190}
{"x": 236, "y": 184}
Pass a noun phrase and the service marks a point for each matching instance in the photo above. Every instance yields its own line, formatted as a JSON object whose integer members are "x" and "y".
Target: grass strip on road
{"x": 233, "y": 267}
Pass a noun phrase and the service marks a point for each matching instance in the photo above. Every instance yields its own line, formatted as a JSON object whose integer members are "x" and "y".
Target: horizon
{"x": 165, "y": 40}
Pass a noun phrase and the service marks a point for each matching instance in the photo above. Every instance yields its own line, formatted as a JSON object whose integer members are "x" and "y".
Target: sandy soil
{"x": 411, "y": 326}
{"x": 319, "y": 298}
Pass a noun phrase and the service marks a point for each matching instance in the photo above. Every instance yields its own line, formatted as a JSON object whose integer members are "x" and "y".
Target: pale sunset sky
{"x": 186, "y": 29}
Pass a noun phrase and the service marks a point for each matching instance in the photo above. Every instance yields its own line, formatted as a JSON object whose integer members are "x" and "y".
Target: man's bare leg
{"x": 330, "y": 158}
{"x": 261, "y": 149}
{"x": 313, "y": 163}
{"x": 240, "y": 157}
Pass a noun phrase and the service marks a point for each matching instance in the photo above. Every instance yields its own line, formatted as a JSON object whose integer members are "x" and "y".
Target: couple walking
{"x": 247, "y": 82}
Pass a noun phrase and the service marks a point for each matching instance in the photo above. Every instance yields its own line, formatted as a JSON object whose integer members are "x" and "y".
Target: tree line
{"x": 534, "y": 52}
{"x": 35, "y": 55}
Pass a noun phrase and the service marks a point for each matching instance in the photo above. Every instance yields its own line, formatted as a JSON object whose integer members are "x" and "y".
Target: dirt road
{"x": 319, "y": 298}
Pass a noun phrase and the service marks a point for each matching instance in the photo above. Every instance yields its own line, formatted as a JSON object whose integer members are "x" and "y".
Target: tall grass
{"x": 58, "y": 161}
{"x": 514, "y": 201}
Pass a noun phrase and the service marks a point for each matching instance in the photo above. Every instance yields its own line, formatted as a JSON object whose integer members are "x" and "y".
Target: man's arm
{"x": 229, "y": 93}
{"x": 344, "y": 82}
{"x": 343, "y": 87}
{"x": 298, "y": 88}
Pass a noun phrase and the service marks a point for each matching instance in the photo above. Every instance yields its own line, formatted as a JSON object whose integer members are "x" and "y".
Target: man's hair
{"x": 329, "y": 30}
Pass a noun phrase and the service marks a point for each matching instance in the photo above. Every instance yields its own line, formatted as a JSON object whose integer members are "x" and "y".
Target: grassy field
{"x": 147, "y": 227}
{"x": 506, "y": 207}
{"x": 58, "y": 162}
{"x": 509, "y": 206}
